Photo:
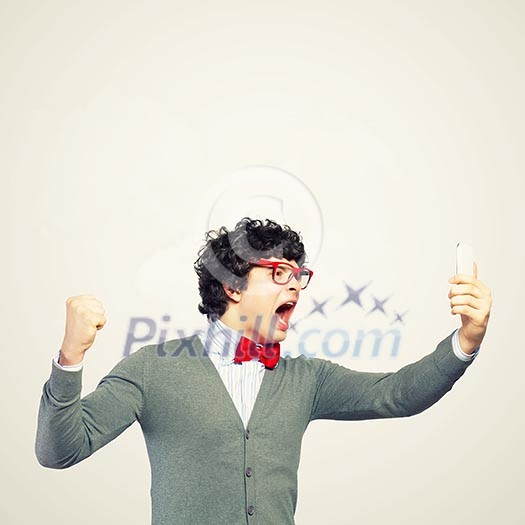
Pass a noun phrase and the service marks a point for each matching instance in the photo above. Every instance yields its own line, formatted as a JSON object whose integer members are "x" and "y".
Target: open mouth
{"x": 284, "y": 312}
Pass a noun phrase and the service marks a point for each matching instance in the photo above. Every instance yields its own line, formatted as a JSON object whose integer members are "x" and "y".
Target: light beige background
{"x": 403, "y": 118}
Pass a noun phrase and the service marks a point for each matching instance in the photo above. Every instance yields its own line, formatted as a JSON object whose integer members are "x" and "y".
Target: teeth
{"x": 289, "y": 303}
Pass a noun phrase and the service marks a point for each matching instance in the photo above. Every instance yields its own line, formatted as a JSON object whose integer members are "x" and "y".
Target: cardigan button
{"x": 251, "y": 510}
{"x": 247, "y": 434}
{"x": 249, "y": 471}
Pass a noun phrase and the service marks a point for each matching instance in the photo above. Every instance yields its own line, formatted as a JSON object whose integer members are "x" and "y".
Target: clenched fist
{"x": 84, "y": 316}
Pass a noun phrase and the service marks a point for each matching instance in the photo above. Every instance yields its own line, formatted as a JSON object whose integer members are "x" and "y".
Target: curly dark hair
{"x": 225, "y": 258}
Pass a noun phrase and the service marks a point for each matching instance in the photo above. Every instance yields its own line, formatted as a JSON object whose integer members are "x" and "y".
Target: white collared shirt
{"x": 242, "y": 380}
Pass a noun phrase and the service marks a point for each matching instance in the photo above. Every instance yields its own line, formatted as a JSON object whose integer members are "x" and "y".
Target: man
{"x": 223, "y": 414}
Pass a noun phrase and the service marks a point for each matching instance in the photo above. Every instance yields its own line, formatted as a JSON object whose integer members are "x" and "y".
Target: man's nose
{"x": 294, "y": 284}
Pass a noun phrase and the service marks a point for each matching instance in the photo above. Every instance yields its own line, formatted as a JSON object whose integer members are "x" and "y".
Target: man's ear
{"x": 234, "y": 295}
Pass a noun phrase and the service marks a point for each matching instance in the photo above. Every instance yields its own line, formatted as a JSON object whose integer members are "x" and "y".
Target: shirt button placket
{"x": 249, "y": 478}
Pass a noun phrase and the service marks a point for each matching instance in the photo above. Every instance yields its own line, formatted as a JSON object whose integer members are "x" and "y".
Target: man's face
{"x": 262, "y": 316}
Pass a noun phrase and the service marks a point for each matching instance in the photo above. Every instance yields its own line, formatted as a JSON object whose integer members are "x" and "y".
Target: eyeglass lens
{"x": 282, "y": 274}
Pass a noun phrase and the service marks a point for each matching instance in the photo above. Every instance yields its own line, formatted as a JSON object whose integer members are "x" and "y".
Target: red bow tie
{"x": 247, "y": 350}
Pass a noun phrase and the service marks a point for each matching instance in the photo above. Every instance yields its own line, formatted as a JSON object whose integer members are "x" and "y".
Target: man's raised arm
{"x": 343, "y": 393}
{"x": 347, "y": 394}
{"x": 69, "y": 428}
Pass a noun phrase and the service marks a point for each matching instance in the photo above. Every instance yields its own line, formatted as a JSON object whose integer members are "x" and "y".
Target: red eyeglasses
{"x": 283, "y": 272}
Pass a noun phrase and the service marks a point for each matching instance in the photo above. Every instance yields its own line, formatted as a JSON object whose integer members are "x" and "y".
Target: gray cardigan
{"x": 206, "y": 468}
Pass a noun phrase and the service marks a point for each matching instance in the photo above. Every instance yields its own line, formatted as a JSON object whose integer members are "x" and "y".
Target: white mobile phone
{"x": 464, "y": 259}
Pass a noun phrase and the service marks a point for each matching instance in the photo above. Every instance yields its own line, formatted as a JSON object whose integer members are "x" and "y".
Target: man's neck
{"x": 228, "y": 320}
{"x": 232, "y": 321}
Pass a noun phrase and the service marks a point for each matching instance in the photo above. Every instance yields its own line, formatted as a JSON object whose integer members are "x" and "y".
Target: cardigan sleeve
{"x": 345, "y": 394}
{"x": 71, "y": 428}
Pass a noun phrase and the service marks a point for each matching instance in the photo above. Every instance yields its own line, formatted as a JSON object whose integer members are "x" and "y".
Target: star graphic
{"x": 318, "y": 307}
{"x": 399, "y": 317}
{"x": 293, "y": 326}
{"x": 378, "y": 305}
{"x": 353, "y": 295}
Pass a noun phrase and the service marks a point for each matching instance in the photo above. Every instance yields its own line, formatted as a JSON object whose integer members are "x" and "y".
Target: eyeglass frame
{"x": 266, "y": 263}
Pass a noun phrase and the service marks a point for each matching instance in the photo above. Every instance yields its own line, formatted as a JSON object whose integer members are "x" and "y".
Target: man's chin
{"x": 280, "y": 334}
{"x": 276, "y": 336}
{"x": 275, "y": 332}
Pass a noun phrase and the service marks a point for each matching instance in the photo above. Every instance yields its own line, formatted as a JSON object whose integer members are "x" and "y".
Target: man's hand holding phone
{"x": 470, "y": 298}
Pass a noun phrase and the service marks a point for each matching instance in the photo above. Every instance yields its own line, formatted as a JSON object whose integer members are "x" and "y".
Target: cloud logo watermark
{"x": 268, "y": 192}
